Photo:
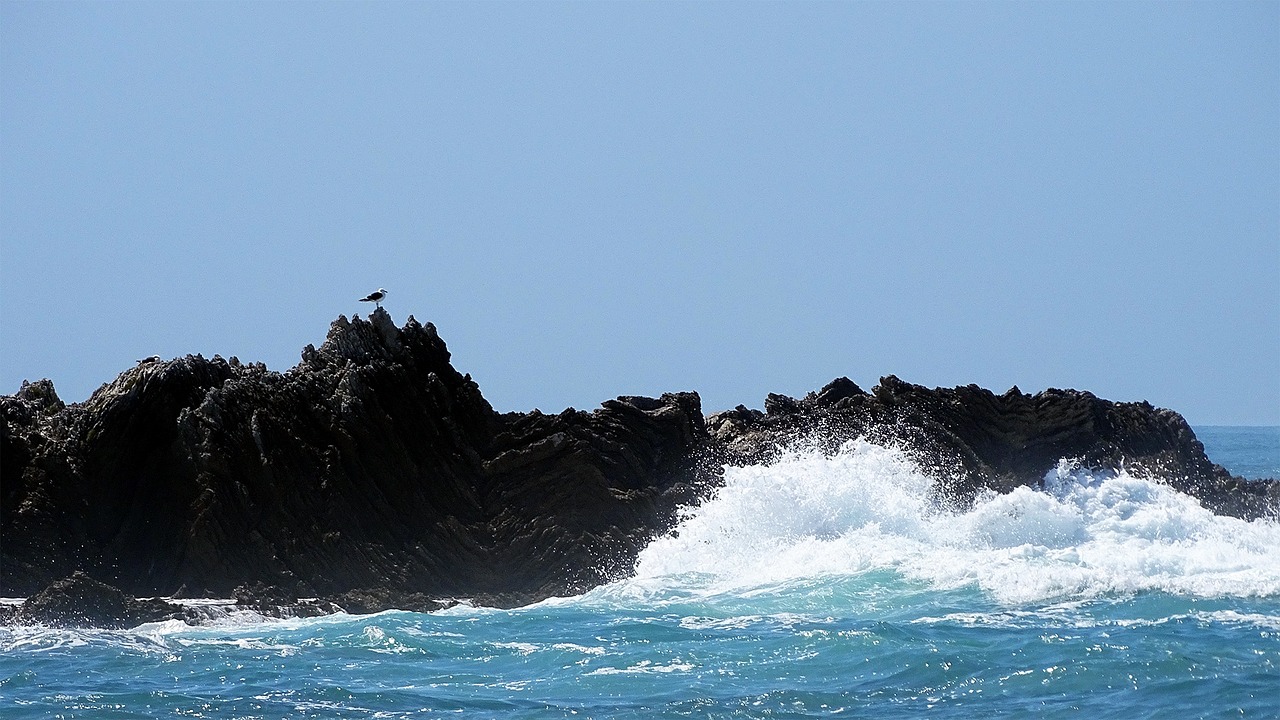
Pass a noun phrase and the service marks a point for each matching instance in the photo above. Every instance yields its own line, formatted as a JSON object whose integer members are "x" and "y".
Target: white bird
{"x": 376, "y": 297}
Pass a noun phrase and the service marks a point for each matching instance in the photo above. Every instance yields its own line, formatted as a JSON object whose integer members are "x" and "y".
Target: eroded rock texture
{"x": 372, "y": 464}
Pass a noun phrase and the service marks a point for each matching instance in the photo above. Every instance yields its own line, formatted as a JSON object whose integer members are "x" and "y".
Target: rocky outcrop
{"x": 971, "y": 439}
{"x": 373, "y": 463}
{"x": 373, "y": 474}
{"x": 374, "y": 600}
{"x": 81, "y": 601}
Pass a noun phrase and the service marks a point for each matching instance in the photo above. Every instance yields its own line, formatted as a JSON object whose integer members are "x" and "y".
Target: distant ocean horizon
{"x": 1251, "y": 451}
{"x": 816, "y": 586}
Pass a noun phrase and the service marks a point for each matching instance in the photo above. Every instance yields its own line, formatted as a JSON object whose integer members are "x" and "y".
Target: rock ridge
{"x": 370, "y": 464}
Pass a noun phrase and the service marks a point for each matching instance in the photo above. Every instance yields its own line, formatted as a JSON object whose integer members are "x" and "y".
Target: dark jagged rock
{"x": 373, "y": 600}
{"x": 373, "y": 474}
{"x": 80, "y": 601}
{"x": 41, "y": 397}
{"x": 276, "y": 602}
{"x": 969, "y": 438}
{"x": 373, "y": 463}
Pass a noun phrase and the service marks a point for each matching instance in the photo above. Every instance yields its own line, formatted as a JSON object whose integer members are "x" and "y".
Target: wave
{"x": 243, "y": 630}
{"x": 811, "y": 522}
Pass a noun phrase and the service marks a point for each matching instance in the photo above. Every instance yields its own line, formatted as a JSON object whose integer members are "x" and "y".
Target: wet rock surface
{"x": 374, "y": 600}
{"x": 81, "y": 601}
{"x": 374, "y": 475}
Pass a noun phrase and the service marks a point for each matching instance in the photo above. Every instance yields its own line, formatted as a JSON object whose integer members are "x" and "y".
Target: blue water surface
{"x": 1249, "y": 451}
{"x": 947, "y": 655}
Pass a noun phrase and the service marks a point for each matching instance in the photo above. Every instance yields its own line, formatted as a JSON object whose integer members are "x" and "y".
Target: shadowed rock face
{"x": 374, "y": 466}
{"x": 371, "y": 464}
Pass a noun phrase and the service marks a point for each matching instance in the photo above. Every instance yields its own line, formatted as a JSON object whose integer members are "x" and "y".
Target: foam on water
{"x": 810, "y": 519}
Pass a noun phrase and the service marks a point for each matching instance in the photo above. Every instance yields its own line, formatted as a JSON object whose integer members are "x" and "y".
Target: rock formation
{"x": 374, "y": 474}
{"x": 81, "y": 601}
{"x": 372, "y": 464}
{"x": 971, "y": 439}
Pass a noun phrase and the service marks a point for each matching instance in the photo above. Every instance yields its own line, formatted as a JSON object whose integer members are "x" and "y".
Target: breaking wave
{"x": 814, "y": 520}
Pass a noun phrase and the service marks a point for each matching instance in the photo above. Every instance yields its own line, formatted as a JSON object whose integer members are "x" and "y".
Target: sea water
{"x": 817, "y": 586}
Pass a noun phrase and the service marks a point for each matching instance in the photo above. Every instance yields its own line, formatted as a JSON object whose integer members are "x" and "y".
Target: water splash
{"x": 815, "y": 520}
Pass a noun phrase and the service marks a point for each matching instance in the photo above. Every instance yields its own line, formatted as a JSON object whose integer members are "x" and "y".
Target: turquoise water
{"x": 815, "y": 587}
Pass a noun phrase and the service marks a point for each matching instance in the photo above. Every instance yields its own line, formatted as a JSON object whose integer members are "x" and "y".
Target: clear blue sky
{"x": 595, "y": 199}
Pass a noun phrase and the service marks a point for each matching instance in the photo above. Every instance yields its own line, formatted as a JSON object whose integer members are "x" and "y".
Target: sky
{"x": 602, "y": 199}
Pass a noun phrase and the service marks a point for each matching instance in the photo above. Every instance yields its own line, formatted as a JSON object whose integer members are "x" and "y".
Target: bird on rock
{"x": 375, "y": 297}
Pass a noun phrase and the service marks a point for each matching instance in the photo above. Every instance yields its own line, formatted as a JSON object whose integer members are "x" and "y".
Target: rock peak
{"x": 42, "y": 394}
{"x": 382, "y": 321}
{"x": 378, "y": 338}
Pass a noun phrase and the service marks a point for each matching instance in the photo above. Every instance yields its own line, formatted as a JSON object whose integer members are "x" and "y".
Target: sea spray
{"x": 812, "y": 518}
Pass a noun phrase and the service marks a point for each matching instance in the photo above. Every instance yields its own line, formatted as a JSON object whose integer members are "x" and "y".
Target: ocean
{"x": 817, "y": 586}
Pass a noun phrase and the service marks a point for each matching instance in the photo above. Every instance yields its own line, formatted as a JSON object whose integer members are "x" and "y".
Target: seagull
{"x": 145, "y": 360}
{"x": 376, "y": 297}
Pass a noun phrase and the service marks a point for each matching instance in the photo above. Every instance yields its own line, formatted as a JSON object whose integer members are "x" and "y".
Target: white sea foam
{"x": 522, "y": 648}
{"x": 646, "y": 667}
{"x": 812, "y": 516}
